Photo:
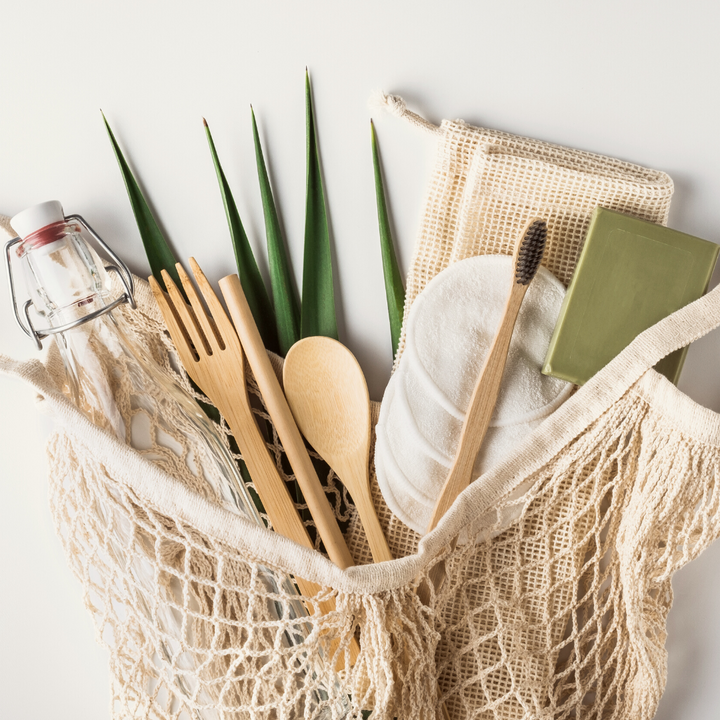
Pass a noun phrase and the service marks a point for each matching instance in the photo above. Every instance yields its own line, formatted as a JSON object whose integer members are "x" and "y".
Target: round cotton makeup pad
{"x": 450, "y": 329}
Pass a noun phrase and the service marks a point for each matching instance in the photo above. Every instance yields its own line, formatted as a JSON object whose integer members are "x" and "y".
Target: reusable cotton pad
{"x": 450, "y": 329}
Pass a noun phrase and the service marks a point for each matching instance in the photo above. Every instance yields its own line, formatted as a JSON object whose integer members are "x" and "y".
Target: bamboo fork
{"x": 213, "y": 357}
{"x": 214, "y": 360}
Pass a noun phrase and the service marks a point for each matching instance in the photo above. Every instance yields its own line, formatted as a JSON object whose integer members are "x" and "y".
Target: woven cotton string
{"x": 562, "y": 615}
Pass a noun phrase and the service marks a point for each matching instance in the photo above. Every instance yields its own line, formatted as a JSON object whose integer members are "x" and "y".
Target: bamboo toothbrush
{"x": 527, "y": 257}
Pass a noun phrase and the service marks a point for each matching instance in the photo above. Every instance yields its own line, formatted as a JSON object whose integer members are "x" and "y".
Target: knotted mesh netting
{"x": 556, "y": 589}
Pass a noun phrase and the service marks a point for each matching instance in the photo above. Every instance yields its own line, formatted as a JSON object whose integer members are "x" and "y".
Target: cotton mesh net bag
{"x": 486, "y": 184}
{"x": 559, "y": 613}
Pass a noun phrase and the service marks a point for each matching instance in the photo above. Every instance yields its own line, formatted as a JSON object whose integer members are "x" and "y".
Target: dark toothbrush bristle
{"x": 532, "y": 247}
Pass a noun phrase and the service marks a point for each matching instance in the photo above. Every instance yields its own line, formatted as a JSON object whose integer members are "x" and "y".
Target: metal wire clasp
{"x": 117, "y": 266}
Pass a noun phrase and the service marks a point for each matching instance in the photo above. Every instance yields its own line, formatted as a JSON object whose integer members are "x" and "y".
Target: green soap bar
{"x": 631, "y": 274}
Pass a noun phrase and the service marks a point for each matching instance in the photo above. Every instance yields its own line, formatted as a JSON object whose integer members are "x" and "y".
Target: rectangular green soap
{"x": 631, "y": 274}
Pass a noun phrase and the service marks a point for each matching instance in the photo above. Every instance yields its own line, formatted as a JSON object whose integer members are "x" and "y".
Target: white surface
{"x": 637, "y": 80}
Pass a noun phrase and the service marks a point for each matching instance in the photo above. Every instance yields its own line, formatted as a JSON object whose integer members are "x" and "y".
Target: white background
{"x": 636, "y": 80}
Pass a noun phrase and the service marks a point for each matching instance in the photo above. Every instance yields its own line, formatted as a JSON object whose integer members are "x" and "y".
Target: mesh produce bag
{"x": 560, "y": 615}
{"x": 487, "y": 184}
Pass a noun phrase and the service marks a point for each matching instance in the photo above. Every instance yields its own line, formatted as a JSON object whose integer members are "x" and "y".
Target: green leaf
{"x": 287, "y": 309}
{"x": 250, "y": 278}
{"x": 318, "y": 297}
{"x": 158, "y": 252}
{"x": 394, "y": 289}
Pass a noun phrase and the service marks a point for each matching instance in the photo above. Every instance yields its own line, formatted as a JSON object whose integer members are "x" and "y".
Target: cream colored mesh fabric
{"x": 562, "y": 615}
{"x": 487, "y": 184}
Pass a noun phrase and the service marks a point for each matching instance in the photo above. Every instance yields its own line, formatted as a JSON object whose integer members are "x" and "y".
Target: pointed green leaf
{"x": 254, "y": 288}
{"x": 287, "y": 309}
{"x": 394, "y": 289}
{"x": 318, "y": 297}
{"x": 250, "y": 278}
{"x": 158, "y": 252}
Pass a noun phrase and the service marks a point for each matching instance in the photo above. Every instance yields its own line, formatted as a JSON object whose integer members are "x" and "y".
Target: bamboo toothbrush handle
{"x": 284, "y": 422}
{"x": 480, "y": 410}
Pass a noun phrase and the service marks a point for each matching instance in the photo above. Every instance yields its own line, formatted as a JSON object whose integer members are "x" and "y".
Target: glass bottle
{"x": 113, "y": 380}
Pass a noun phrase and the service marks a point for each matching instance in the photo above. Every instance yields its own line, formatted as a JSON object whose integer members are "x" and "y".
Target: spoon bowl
{"x": 327, "y": 393}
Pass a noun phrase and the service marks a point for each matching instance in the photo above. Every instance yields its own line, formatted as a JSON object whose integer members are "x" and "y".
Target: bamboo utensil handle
{"x": 270, "y": 486}
{"x": 263, "y": 471}
{"x": 277, "y": 501}
{"x": 526, "y": 260}
{"x": 282, "y": 418}
{"x": 375, "y": 535}
{"x": 482, "y": 404}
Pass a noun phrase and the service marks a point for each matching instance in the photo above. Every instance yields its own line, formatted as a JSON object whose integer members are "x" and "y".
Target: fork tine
{"x": 223, "y": 322}
{"x": 186, "y": 316}
{"x": 214, "y": 338}
{"x": 177, "y": 331}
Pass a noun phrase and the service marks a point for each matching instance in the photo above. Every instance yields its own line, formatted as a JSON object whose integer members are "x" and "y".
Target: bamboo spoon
{"x": 284, "y": 423}
{"x": 328, "y": 396}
